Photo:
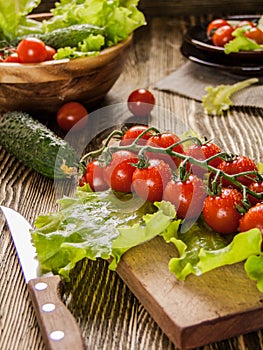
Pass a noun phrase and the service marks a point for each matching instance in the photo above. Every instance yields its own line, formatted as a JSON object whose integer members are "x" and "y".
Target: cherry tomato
{"x": 238, "y": 165}
{"x": 257, "y": 187}
{"x": 246, "y": 24}
{"x": 149, "y": 183}
{"x": 255, "y": 34}
{"x": 165, "y": 140}
{"x": 50, "y": 52}
{"x": 220, "y": 212}
{"x": 253, "y": 218}
{"x": 223, "y": 35}
{"x": 72, "y": 114}
{"x": 118, "y": 174}
{"x": 213, "y": 25}
{"x": 132, "y": 133}
{"x": 187, "y": 196}
{"x": 13, "y": 57}
{"x": 31, "y": 50}
{"x": 203, "y": 152}
{"x": 141, "y": 102}
{"x": 94, "y": 176}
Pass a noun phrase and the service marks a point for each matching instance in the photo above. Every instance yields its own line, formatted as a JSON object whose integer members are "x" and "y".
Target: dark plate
{"x": 196, "y": 47}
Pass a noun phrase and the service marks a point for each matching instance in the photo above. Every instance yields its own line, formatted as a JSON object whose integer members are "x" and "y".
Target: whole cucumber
{"x": 36, "y": 146}
{"x": 69, "y": 36}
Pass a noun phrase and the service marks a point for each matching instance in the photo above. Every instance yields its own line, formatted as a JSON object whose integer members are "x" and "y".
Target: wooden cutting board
{"x": 217, "y": 305}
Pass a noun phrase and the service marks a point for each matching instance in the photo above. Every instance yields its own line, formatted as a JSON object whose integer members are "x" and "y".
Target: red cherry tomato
{"x": 257, "y": 187}
{"x": 132, "y": 133}
{"x": 118, "y": 174}
{"x": 223, "y": 35}
{"x": 13, "y": 57}
{"x": 253, "y": 218}
{"x": 220, "y": 211}
{"x": 50, "y": 52}
{"x": 238, "y": 165}
{"x": 165, "y": 140}
{"x": 187, "y": 196}
{"x": 149, "y": 183}
{"x": 94, "y": 176}
{"x": 141, "y": 102}
{"x": 245, "y": 24}
{"x": 213, "y": 25}
{"x": 255, "y": 34}
{"x": 72, "y": 114}
{"x": 31, "y": 50}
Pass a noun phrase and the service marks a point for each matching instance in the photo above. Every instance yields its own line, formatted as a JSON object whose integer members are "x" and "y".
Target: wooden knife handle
{"x": 57, "y": 325}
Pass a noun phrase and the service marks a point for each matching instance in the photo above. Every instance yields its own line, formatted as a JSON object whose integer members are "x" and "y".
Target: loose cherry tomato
{"x": 141, "y": 102}
{"x": 257, "y": 187}
{"x": 118, "y": 174}
{"x": 13, "y": 57}
{"x": 203, "y": 152}
{"x": 94, "y": 176}
{"x": 50, "y": 52}
{"x": 213, "y": 25}
{"x": 253, "y": 218}
{"x": 187, "y": 196}
{"x": 223, "y": 35}
{"x": 255, "y": 34}
{"x": 31, "y": 50}
{"x": 165, "y": 140}
{"x": 72, "y": 114}
{"x": 220, "y": 211}
{"x": 132, "y": 133}
{"x": 238, "y": 165}
{"x": 149, "y": 182}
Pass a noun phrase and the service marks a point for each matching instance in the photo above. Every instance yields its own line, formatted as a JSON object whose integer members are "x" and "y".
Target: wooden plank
{"x": 215, "y": 306}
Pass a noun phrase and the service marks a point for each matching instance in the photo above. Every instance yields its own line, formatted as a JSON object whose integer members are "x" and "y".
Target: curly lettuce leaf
{"x": 201, "y": 251}
{"x": 241, "y": 43}
{"x": 13, "y": 15}
{"x": 96, "y": 225}
{"x": 254, "y": 269}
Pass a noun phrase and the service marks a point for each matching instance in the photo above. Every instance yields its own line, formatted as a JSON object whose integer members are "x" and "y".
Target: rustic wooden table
{"x": 108, "y": 313}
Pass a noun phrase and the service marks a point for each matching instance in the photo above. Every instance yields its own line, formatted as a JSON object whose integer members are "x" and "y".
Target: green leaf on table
{"x": 217, "y": 100}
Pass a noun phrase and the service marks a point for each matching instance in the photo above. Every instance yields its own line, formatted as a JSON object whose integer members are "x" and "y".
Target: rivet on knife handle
{"x": 58, "y": 326}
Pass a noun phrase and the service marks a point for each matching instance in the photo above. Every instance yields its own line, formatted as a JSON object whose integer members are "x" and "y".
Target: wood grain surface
{"x": 109, "y": 314}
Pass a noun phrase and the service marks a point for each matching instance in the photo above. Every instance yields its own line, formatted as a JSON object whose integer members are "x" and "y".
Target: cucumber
{"x": 36, "y": 146}
{"x": 69, "y": 36}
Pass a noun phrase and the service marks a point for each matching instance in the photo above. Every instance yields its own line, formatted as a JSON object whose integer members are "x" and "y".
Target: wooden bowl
{"x": 45, "y": 86}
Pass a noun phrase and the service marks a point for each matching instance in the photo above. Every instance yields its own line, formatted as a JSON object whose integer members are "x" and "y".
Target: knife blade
{"x": 58, "y": 327}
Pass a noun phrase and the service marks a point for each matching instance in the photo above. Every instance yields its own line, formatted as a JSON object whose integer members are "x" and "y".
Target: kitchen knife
{"x": 58, "y": 327}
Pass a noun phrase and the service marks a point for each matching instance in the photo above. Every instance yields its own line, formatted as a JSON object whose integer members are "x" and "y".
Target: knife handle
{"x": 58, "y": 327}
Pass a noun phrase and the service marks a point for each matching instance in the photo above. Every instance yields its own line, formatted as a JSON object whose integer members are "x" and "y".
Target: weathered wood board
{"x": 217, "y": 305}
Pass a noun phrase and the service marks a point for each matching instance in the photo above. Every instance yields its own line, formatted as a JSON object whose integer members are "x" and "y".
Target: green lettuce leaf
{"x": 13, "y": 15}
{"x": 96, "y": 225}
{"x": 254, "y": 269}
{"x": 241, "y": 43}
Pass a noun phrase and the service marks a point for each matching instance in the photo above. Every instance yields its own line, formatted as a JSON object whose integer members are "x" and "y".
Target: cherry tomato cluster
{"x": 219, "y": 31}
{"x": 200, "y": 179}
{"x": 29, "y": 50}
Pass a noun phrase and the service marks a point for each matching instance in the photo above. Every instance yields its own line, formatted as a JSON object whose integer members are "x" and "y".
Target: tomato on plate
{"x": 72, "y": 114}
{"x": 187, "y": 196}
{"x": 13, "y": 57}
{"x": 220, "y": 211}
{"x": 165, "y": 140}
{"x": 238, "y": 164}
{"x": 118, "y": 174}
{"x": 149, "y": 182}
{"x": 50, "y": 52}
{"x": 133, "y": 132}
{"x": 141, "y": 102}
{"x": 213, "y": 25}
{"x": 223, "y": 35}
{"x": 94, "y": 176}
{"x": 31, "y": 50}
{"x": 255, "y": 34}
{"x": 245, "y": 24}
